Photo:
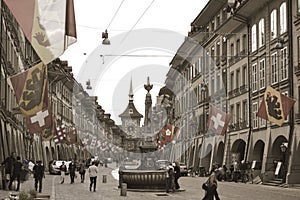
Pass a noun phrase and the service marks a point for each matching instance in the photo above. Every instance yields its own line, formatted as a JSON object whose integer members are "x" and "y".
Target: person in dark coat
{"x": 210, "y": 187}
{"x": 82, "y": 171}
{"x": 16, "y": 173}
{"x": 8, "y": 166}
{"x": 177, "y": 175}
{"x": 39, "y": 174}
{"x": 72, "y": 170}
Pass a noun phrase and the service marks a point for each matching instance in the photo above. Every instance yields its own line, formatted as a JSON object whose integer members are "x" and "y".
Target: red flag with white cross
{"x": 218, "y": 120}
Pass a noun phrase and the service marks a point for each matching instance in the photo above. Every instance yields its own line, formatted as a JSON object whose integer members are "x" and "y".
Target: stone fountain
{"x": 145, "y": 176}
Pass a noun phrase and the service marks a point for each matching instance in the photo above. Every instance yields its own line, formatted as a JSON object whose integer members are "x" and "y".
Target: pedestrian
{"x": 72, "y": 170}
{"x": 16, "y": 173}
{"x": 236, "y": 172}
{"x": 8, "y": 166}
{"x": 210, "y": 187}
{"x": 39, "y": 174}
{"x": 170, "y": 178}
{"x": 63, "y": 170}
{"x": 93, "y": 171}
{"x": 82, "y": 171}
{"x": 177, "y": 175}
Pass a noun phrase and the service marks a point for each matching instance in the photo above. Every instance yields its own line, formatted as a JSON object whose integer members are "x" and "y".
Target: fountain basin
{"x": 143, "y": 179}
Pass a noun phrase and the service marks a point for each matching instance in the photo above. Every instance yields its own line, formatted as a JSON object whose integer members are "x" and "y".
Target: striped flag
{"x": 49, "y": 25}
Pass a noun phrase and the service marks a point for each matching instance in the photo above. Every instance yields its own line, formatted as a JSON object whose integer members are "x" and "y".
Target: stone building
{"x": 71, "y": 104}
{"x": 241, "y": 48}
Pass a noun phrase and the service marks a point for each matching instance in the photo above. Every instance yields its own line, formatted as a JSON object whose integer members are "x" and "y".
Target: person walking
{"x": 82, "y": 171}
{"x": 177, "y": 175}
{"x": 63, "y": 170}
{"x": 16, "y": 173}
{"x": 210, "y": 187}
{"x": 39, "y": 174}
{"x": 72, "y": 170}
{"x": 93, "y": 171}
{"x": 170, "y": 178}
{"x": 8, "y": 166}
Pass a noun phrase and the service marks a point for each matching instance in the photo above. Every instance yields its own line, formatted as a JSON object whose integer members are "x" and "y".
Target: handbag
{"x": 204, "y": 186}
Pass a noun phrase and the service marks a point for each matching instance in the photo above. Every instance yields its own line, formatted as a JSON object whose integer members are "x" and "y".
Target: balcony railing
{"x": 243, "y": 88}
{"x": 297, "y": 69}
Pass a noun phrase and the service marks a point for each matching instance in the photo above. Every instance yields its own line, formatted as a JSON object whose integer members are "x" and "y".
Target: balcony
{"x": 231, "y": 60}
{"x": 297, "y": 69}
{"x": 230, "y": 93}
{"x": 243, "y": 88}
{"x": 236, "y": 91}
{"x": 244, "y": 124}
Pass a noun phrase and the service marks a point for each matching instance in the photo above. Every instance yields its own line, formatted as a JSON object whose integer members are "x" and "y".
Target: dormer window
{"x": 130, "y": 111}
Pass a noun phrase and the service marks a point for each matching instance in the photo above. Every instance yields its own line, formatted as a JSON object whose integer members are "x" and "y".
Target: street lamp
{"x": 106, "y": 41}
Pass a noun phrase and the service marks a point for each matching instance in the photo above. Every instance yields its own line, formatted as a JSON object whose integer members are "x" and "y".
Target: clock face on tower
{"x": 131, "y": 128}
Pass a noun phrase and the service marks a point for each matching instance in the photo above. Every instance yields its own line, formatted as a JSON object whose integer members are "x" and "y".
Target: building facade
{"x": 244, "y": 46}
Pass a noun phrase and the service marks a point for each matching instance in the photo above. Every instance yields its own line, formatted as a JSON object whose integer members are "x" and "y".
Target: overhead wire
{"x": 115, "y": 14}
{"x": 137, "y": 21}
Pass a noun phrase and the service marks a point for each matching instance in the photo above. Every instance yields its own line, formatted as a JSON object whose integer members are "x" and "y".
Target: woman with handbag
{"x": 210, "y": 187}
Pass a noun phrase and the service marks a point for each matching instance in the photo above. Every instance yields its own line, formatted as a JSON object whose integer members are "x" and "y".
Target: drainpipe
{"x": 249, "y": 94}
{"x": 1, "y": 29}
{"x": 291, "y": 83}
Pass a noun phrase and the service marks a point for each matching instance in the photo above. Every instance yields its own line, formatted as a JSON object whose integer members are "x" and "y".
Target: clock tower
{"x": 131, "y": 118}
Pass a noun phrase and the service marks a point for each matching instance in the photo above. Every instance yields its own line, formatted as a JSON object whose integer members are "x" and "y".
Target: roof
{"x": 133, "y": 114}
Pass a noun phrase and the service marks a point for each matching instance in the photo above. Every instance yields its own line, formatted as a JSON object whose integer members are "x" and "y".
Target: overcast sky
{"x": 94, "y": 16}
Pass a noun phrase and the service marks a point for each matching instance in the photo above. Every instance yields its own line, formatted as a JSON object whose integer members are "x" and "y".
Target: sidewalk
{"x": 190, "y": 185}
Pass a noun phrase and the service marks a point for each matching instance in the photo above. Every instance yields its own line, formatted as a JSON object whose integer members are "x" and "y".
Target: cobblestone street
{"x": 190, "y": 185}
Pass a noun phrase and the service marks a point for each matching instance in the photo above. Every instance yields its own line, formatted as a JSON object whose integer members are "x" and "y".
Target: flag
{"x": 93, "y": 141}
{"x": 166, "y": 135}
{"x": 275, "y": 106}
{"x": 49, "y": 132}
{"x": 71, "y": 136}
{"x": 86, "y": 139}
{"x": 60, "y": 134}
{"x": 31, "y": 91}
{"x": 48, "y": 25}
{"x": 217, "y": 120}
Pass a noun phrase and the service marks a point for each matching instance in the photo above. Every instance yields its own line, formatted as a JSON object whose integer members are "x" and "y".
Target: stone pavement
{"x": 191, "y": 185}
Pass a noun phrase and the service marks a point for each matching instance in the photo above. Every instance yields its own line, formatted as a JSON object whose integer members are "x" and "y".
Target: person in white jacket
{"x": 93, "y": 171}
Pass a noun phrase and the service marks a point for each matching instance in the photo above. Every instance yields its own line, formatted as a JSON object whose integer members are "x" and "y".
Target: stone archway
{"x": 48, "y": 158}
{"x": 238, "y": 149}
{"x": 206, "y": 160}
{"x": 58, "y": 153}
{"x": 191, "y": 156}
{"x": 219, "y": 156}
{"x": 54, "y": 157}
{"x": 258, "y": 151}
{"x": 197, "y": 157}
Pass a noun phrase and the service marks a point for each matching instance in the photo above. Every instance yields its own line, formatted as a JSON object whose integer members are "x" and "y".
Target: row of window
{"x": 258, "y": 37}
{"x": 276, "y": 74}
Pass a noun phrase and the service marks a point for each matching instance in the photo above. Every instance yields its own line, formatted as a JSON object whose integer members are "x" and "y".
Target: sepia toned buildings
{"x": 235, "y": 49}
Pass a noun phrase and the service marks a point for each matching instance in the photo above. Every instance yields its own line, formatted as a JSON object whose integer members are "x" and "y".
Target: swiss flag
{"x": 217, "y": 120}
